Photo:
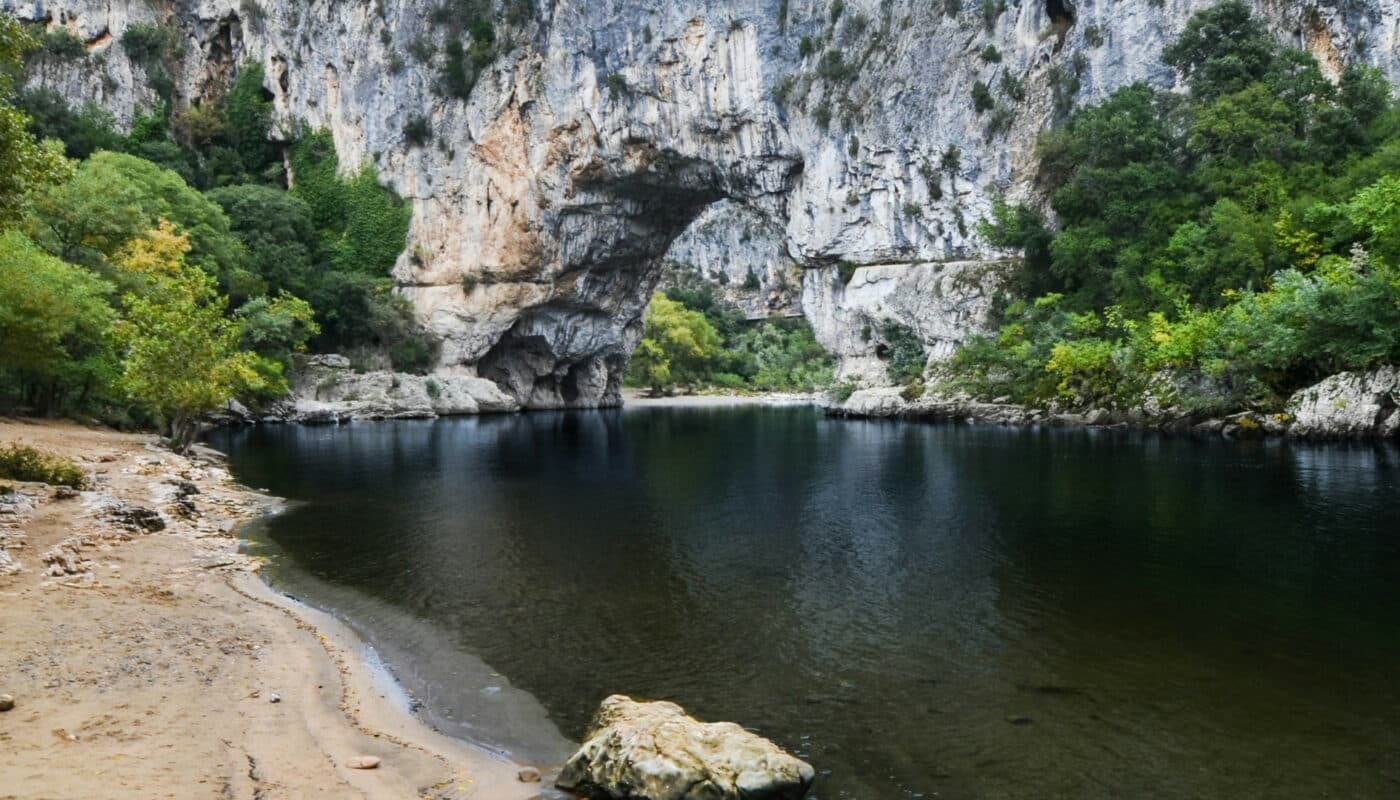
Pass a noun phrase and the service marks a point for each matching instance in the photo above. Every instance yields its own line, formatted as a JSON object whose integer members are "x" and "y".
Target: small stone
{"x": 65, "y": 493}
{"x": 274, "y": 698}
{"x": 528, "y": 775}
{"x": 363, "y": 762}
{"x": 7, "y": 702}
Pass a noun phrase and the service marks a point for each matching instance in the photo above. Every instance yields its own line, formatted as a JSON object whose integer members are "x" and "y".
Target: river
{"x": 918, "y": 610}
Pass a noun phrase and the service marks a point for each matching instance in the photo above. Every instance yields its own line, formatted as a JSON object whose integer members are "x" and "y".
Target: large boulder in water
{"x": 1349, "y": 404}
{"x": 654, "y": 751}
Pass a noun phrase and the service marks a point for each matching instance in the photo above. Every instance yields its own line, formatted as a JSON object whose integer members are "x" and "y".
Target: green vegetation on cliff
{"x": 147, "y": 277}
{"x": 1218, "y": 249}
{"x": 694, "y": 340}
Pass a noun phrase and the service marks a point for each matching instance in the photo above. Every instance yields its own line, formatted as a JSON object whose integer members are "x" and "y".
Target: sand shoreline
{"x": 146, "y": 664}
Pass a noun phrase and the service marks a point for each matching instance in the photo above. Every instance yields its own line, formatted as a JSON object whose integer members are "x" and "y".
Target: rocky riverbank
{"x": 1349, "y": 405}
{"x": 145, "y": 656}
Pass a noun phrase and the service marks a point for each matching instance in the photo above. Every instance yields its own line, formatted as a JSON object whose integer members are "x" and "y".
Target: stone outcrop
{"x": 609, "y": 139}
{"x": 653, "y": 751}
{"x": 325, "y": 389}
{"x": 943, "y": 304}
{"x": 1349, "y": 405}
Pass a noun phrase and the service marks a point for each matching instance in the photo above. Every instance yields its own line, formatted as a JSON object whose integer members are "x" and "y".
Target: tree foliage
{"x": 1241, "y": 239}
{"x": 183, "y": 351}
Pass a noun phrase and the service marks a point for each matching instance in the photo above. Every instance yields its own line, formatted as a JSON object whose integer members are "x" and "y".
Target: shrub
{"x": 847, "y": 270}
{"x": 1012, "y": 87}
{"x": 63, "y": 45}
{"x": 417, "y": 131}
{"x": 903, "y": 351}
{"x": 148, "y": 44}
{"x": 982, "y": 97}
{"x": 22, "y": 463}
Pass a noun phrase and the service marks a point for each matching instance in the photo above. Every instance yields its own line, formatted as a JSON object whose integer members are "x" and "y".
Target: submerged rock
{"x": 654, "y": 751}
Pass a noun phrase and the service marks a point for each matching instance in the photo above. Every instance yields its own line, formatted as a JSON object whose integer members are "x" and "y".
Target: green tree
{"x": 115, "y": 197}
{"x": 277, "y": 327}
{"x": 1222, "y": 50}
{"x": 247, "y": 115}
{"x": 25, "y": 164}
{"x": 678, "y": 346}
{"x": 55, "y": 323}
{"x": 183, "y": 352}
{"x": 276, "y": 229}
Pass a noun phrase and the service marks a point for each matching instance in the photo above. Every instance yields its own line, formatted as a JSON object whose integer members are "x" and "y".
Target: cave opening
{"x": 1061, "y": 13}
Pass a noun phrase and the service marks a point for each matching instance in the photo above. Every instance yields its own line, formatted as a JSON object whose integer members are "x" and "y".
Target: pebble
{"x": 274, "y": 698}
{"x": 363, "y": 762}
{"x": 7, "y": 702}
{"x": 528, "y": 775}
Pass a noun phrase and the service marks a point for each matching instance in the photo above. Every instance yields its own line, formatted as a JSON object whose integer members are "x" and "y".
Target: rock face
{"x": 942, "y": 303}
{"x": 773, "y": 138}
{"x": 326, "y": 389}
{"x": 653, "y": 751}
{"x": 1349, "y": 405}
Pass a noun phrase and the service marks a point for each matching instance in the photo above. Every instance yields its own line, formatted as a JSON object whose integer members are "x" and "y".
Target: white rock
{"x": 653, "y": 751}
{"x": 1349, "y": 404}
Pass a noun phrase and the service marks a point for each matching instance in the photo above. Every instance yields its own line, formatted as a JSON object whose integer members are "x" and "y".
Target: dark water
{"x": 921, "y": 611}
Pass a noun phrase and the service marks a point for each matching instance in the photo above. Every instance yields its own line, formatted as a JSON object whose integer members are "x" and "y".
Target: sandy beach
{"x": 149, "y": 664}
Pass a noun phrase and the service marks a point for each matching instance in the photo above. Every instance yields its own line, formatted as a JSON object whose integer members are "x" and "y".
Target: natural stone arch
{"x": 570, "y": 351}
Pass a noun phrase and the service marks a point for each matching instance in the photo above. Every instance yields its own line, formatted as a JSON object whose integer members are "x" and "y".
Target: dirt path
{"x": 157, "y": 664}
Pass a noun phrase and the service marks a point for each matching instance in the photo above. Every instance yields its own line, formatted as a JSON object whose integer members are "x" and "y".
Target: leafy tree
{"x": 276, "y": 229}
{"x": 25, "y": 164}
{"x": 183, "y": 356}
{"x": 114, "y": 197}
{"x": 277, "y": 327}
{"x": 1222, "y": 50}
{"x": 678, "y": 346}
{"x": 248, "y": 121}
{"x": 82, "y": 132}
{"x": 54, "y": 324}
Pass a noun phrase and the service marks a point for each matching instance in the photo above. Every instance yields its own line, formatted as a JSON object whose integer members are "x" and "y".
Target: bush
{"x": 22, "y": 463}
{"x": 418, "y": 131}
{"x": 61, "y": 44}
{"x": 903, "y": 351}
{"x": 846, "y": 270}
{"x": 982, "y": 99}
{"x": 148, "y": 44}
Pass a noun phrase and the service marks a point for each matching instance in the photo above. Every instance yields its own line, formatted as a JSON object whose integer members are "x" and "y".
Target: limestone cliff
{"x": 772, "y": 138}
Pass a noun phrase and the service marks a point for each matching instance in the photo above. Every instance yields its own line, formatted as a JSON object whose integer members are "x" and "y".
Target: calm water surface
{"x": 919, "y": 610}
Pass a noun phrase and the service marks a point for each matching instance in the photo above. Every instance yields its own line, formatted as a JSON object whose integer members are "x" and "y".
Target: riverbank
{"x": 156, "y": 663}
{"x": 1345, "y": 406}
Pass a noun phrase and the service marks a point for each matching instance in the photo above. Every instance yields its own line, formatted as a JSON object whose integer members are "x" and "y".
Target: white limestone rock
{"x": 1349, "y": 405}
{"x": 654, "y": 751}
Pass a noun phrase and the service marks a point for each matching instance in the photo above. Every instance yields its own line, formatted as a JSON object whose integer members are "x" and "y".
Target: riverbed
{"x": 918, "y": 610}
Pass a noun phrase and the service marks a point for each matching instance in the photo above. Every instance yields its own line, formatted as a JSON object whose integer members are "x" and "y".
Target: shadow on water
{"x": 917, "y": 609}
